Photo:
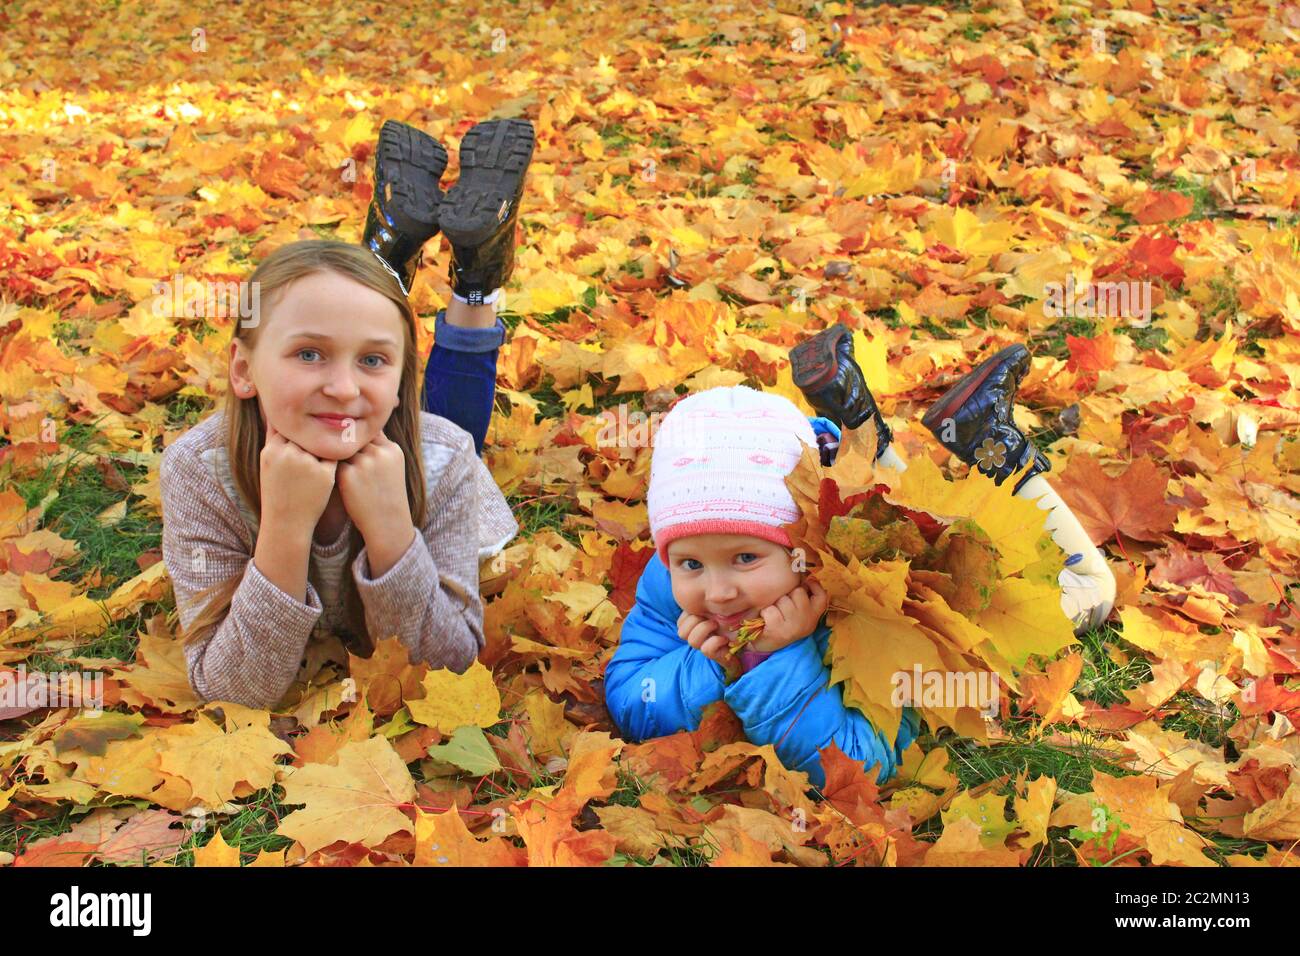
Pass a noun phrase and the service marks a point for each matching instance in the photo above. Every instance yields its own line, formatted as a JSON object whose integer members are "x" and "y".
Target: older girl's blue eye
{"x": 382, "y": 361}
{"x": 686, "y": 560}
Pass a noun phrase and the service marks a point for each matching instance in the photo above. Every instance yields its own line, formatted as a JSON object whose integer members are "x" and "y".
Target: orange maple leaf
{"x": 1133, "y": 503}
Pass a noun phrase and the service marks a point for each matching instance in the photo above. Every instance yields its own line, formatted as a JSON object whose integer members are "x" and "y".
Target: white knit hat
{"x": 719, "y": 465}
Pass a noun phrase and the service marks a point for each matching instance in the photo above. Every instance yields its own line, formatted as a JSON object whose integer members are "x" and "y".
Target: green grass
{"x": 82, "y": 495}
{"x": 325, "y": 230}
{"x": 15, "y": 833}
{"x": 1051, "y": 341}
{"x": 1071, "y": 767}
{"x": 1225, "y": 302}
{"x": 1200, "y": 719}
{"x": 252, "y": 829}
{"x": 118, "y": 641}
{"x": 616, "y": 137}
{"x": 931, "y": 329}
{"x": 536, "y": 513}
{"x": 1149, "y": 339}
{"x": 185, "y": 411}
{"x": 1102, "y": 680}
{"x": 629, "y": 789}
{"x": 1203, "y": 201}
{"x": 889, "y": 316}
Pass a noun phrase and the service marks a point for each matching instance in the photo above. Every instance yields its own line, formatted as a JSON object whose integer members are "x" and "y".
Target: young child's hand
{"x": 372, "y": 484}
{"x": 700, "y": 633}
{"x": 792, "y": 617}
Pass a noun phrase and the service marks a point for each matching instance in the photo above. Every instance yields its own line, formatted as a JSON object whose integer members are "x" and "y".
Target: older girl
{"x": 321, "y": 498}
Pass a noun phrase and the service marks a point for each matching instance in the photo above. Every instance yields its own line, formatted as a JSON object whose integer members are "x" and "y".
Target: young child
{"x": 717, "y": 502}
{"x": 321, "y": 461}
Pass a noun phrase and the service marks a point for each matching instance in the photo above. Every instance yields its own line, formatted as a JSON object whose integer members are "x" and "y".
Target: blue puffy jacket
{"x": 656, "y": 684}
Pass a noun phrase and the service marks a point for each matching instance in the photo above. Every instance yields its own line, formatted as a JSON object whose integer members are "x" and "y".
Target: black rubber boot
{"x": 825, "y": 371}
{"x": 478, "y": 214}
{"x": 403, "y": 213}
{"x": 973, "y": 419}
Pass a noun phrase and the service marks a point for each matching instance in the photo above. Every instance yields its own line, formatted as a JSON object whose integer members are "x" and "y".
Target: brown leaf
{"x": 1133, "y": 503}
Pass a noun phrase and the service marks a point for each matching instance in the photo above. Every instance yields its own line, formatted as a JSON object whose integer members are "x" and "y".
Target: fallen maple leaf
{"x": 354, "y": 800}
{"x": 1133, "y": 503}
{"x": 1156, "y": 206}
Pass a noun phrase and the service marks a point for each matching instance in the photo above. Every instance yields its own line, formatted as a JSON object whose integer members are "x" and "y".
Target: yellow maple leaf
{"x": 1152, "y": 818}
{"x": 960, "y": 845}
{"x": 873, "y": 639}
{"x": 442, "y": 839}
{"x": 1051, "y": 691}
{"x": 1023, "y": 618}
{"x": 217, "y": 852}
{"x": 454, "y": 700}
{"x": 1034, "y": 810}
{"x": 959, "y": 228}
{"x": 987, "y": 811}
{"x": 214, "y": 762}
{"x": 549, "y": 731}
{"x": 159, "y": 677}
{"x": 1278, "y": 819}
{"x": 128, "y": 768}
{"x": 355, "y": 799}
{"x": 1013, "y": 524}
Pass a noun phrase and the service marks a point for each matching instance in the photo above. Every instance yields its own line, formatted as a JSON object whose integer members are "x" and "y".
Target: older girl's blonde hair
{"x": 245, "y": 433}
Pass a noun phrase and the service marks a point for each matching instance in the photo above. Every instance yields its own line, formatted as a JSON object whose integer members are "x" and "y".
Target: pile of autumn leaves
{"x": 951, "y": 577}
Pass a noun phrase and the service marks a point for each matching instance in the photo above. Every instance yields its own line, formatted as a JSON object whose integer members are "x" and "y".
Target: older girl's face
{"x": 729, "y": 577}
{"x": 333, "y": 347}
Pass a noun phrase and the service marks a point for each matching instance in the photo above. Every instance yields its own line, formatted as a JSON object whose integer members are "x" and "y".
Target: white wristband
{"x": 487, "y": 299}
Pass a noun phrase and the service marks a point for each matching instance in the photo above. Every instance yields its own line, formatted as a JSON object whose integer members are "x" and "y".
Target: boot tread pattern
{"x": 409, "y": 164}
{"x": 493, "y": 158}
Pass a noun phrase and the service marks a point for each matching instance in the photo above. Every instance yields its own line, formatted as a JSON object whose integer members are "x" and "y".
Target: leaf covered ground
{"x": 711, "y": 184}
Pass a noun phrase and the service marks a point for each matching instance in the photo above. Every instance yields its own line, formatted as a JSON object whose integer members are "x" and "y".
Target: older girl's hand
{"x": 372, "y": 484}
{"x": 792, "y": 617}
{"x": 296, "y": 485}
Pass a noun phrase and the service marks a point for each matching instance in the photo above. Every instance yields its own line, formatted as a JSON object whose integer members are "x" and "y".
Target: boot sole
{"x": 957, "y": 395}
{"x": 813, "y": 363}
{"x": 494, "y": 156}
{"x": 412, "y": 162}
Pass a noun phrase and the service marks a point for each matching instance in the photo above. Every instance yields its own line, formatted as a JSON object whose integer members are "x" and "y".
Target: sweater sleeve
{"x": 656, "y": 683}
{"x": 252, "y": 656}
{"x": 430, "y": 598}
{"x": 787, "y": 701}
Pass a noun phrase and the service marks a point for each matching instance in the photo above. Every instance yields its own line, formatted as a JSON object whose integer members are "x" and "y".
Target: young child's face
{"x": 729, "y": 577}
{"x": 353, "y": 368}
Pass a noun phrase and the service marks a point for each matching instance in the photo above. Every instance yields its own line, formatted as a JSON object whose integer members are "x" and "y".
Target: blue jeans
{"x": 460, "y": 378}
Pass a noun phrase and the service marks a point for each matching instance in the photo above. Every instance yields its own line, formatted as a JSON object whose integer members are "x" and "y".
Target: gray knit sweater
{"x": 429, "y": 599}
